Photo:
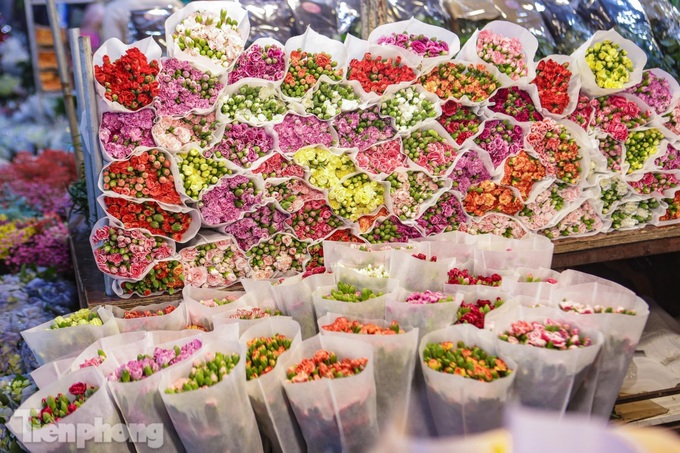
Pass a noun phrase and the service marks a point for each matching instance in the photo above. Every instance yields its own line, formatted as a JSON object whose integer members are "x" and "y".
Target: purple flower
{"x": 297, "y": 131}
{"x": 184, "y": 88}
{"x": 259, "y": 62}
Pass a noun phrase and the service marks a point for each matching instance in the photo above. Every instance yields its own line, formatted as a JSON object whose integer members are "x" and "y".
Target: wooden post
{"x": 64, "y": 76}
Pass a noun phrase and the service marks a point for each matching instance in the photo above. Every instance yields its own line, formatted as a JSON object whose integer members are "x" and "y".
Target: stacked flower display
{"x": 387, "y": 150}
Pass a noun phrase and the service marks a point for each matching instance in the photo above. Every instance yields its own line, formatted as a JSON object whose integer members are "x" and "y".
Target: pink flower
{"x": 197, "y": 276}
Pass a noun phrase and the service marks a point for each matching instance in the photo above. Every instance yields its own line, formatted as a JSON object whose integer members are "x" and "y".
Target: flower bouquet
{"x": 410, "y": 107}
{"x": 279, "y": 255}
{"x": 553, "y": 355}
{"x": 429, "y": 148}
{"x": 412, "y": 192}
{"x": 445, "y": 215}
{"x": 391, "y": 229}
{"x": 206, "y": 400}
{"x": 68, "y": 334}
{"x": 612, "y": 150}
{"x": 394, "y": 354}
{"x": 583, "y": 115}
{"x": 560, "y": 148}
{"x": 656, "y": 183}
{"x": 521, "y": 104}
{"x": 467, "y": 83}
{"x": 460, "y": 121}
{"x": 501, "y": 139}
{"x": 538, "y": 283}
{"x": 433, "y": 44}
{"x": 184, "y": 89}
{"x": 205, "y": 303}
{"x": 426, "y": 311}
{"x": 525, "y": 173}
{"x": 252, "y": 101}
{"x": 293, "y": 193}
{"x": 382, "y": 158}
{"x": 162, "y": 316}
{"x": 191, "y": 131}
{"x": 361, "y": 255}
{"x": 375, "y": 277}
{"x": 127, "y": 254}
{"x": 545, "y": 209}
{"x": 315, "y": 220}
{"x": 621, "y": 326}
{"x": 616, "y": 115}
{"x": 640, "y": 146}
{"x": 73, "y": 400}
{"x": 173, "y": 222}
{"x": 362, "y": 128}
{"x": 479, "y": 301}
{"x": 488, "y": 197}
{"x": 472, "y": 167}
{"x": 345, "y": 299}
{"x": 355, "y": 196}
{"x": 211, "y": 35}
{"x": 213, "y": 261}
{"x": 272, "y": 410}
{"x": 670, "y": 160}
{"x": 148, "y": 175}
{"x": 278, "y": 166}
{"x": 230, "y": 199}
{"x": 165, "y": 277}
{"x": 507, "y": 46}
{"x": 658, "y": 90}
{"x": 134, "y": 384}
{"x": 296, "y": 132}
{"x": 331, "y": 389}
{"x": 99, "y": 354}
{"x": 265, "y": 59}
{"x": 558, "y": 85}
{"x": 672, "y": 212}
{"x": 121, "y": 134}
{"x": 257, "y": 225}
{"x": 126, "y": 75}
{"x": 378, "y": 68}
{"x": 327, "y": 100}
{"x": 609, "y": 63}
{"x": 497, "y": 224}
{"x": 472, "y": 397}
{"x": 414, "y": 274}
{"x": 326, "y": 168}
{"x": 634, "y": 212}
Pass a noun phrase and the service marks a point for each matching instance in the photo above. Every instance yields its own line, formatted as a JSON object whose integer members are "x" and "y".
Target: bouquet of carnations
{"x": 134, "y": 384}
{"x": 162, "y": 316}
{"x": 269, "y": 341}
{"x": 621, "y": 323}
{"x": 472, "y": 398}
{"x": 553, "y": 354}
{"x": 420, "y": 274}
{"x": 207, "y": 402}
{"x": 349, "y": 300}
{"x": 166, "y": 276}
{"x": 213, "y": 261}
{"x": 79, "y": 398}
{"x": 69, "y": 333}
{"x": 425, "y": 310}
{"x": 205, "y": 303}
{"x": 330, "y": 385}
{"x": 121, "y": 134}
{"x": 394, "y": 354}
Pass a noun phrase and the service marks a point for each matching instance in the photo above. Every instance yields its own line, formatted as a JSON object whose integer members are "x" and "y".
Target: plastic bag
{"x": 149, "y": 23}
{"x": 317, "y": 14}
{"x": 98, "y": 406}
{"x": 499, "y": 253}
{"x": 564, "y": 23}
{"x": 354, "y": 277}
{"x": 528, "y": 14}
{"x": 426, "y": 318}
{"x": 51, "y": 344}
{"x": 628, "y": 18}
{"x": 216, "y": 418}
{"x": 369, "y": 309}
{"x": 202, "y": 315}
{"x": 272, "y": 409}
{"x": 394, "y": 357}
{"x": 270, "y": 19}
{"x": 140, "y": 401}
{"x": 541, "y": 289}
{"x": 621, "y": 332}
{"x": 545, "y": 378}
{"x": 250, "y": 301}
{"x": 108, "y": 345}
{"x": 175, "y": 320}
{"x": 462, "y": 406}
{"x": 52, "y": 371}
{"x": 334, "y": 414}
{"x": 665, "y": 21}
{"x": 415, "y": 274}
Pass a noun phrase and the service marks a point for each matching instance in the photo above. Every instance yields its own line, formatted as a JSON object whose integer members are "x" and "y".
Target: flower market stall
{"x": 343, "y": 238}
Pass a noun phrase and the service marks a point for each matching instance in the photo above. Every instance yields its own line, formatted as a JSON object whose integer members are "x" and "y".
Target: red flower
{"x": 79, "y": 388}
